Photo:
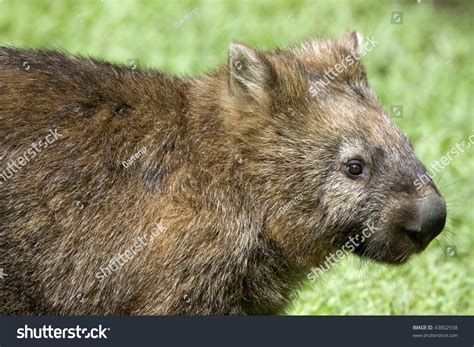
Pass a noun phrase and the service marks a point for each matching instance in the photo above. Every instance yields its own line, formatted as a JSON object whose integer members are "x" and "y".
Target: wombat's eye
{"x": 355, "y": 168}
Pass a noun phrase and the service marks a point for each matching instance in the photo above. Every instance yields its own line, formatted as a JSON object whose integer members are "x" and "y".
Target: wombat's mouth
{"x": 390, "y": 246}
{"x": 386, "y": 253}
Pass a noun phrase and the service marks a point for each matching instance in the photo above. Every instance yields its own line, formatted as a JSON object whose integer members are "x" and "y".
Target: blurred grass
{"x": 424, "y": 64}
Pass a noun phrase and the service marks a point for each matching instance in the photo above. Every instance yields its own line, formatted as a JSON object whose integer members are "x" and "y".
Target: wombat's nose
{"x": 433, "y": 218}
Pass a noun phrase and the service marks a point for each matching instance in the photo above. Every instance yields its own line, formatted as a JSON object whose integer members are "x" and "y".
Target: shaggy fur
{"x": 224, "y": 153}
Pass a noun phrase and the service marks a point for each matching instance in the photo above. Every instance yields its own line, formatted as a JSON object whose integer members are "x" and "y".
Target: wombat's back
{"x": 39, "y": 89}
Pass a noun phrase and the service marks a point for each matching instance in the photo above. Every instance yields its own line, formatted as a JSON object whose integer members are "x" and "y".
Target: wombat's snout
{"x": 424, "y": 219}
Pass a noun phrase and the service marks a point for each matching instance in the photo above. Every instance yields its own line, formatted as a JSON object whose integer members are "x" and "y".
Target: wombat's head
{"x": 333, "y": 170}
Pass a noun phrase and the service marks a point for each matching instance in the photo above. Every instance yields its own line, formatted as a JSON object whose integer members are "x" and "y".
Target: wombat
{"x": 129, "y": 191}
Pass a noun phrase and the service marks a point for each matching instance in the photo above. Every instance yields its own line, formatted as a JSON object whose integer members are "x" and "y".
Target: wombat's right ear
{"x": 354, "y": 40}
{"x": 248, "y": 72}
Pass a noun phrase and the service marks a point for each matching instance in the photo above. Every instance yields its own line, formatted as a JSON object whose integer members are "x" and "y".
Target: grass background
{"x": 424, "y": 64}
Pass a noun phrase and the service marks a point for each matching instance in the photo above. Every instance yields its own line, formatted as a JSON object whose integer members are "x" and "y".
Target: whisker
{"x": 451, "y": 237}
{"x": 454, "y": 210}
{"x": 449, "y": 227}
{"x": 438, "y": 181}
{"x": 451, "y": 206}
{"x": 440, "y": 245}
{"x": 385, "y": 248}
{"x": 372, "y": 247}
{"x": 360, "y": 269}
{"x": 404, "y": 257}
{"x": 452, "y": 200}
{"x": 453, "y": 183}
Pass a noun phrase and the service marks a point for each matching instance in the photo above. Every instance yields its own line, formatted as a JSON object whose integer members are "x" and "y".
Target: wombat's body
{"x": 74, "y": 207}
{"x": 159, "y": 195}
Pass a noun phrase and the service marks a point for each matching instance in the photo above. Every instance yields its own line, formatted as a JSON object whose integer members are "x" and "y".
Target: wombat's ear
{"x": 354, "y": 41}
{"x": 248, "y": 71}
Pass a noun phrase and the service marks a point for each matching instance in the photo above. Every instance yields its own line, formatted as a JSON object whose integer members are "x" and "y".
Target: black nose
{"x": 433, "y": 218}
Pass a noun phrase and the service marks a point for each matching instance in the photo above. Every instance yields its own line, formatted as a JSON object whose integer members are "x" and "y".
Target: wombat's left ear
{"x": 248, "y": 71}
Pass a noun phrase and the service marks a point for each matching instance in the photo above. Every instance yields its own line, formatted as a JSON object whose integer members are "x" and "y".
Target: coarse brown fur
{"x": 224, "y": 152}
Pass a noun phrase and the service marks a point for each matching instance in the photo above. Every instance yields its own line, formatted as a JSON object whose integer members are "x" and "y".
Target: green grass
{"x": 425, "y": 64}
